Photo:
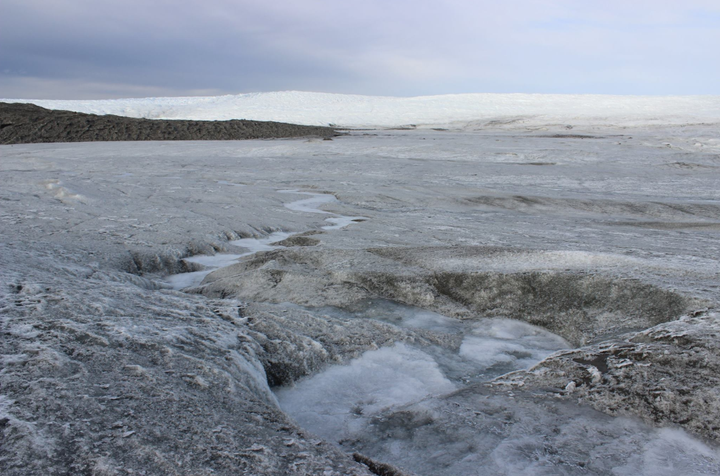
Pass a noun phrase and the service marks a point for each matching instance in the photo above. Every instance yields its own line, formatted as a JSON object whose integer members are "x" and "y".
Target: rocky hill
{"x": 27, "y": 123}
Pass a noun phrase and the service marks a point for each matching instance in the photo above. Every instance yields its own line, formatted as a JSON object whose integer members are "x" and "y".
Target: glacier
{"x": 471, "y": 284}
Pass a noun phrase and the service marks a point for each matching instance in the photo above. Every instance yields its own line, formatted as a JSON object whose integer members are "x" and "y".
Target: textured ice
{"x": 407, "y": 316}
{"x": 255, "y": 245}
{"x": 312, "y": 204}
{"x": 341, "y": 222}
{"x": 339, "y": 402}
{"x": 309, "y": 205}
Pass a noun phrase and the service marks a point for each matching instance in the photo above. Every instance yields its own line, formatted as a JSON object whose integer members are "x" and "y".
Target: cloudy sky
{"x": 87, "y": 49}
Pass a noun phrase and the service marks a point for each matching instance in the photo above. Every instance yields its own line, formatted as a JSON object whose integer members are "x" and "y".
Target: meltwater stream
{"x": 220, "y": 260}
{"x": 312, "y": 204}
{"x": 255, "y": 245}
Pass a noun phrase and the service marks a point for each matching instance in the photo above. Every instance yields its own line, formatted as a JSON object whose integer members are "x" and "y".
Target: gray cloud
{"x": 85, "y": 48}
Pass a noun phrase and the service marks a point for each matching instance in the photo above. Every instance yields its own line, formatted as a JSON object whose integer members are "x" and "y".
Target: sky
{"x": 93, "y": 49}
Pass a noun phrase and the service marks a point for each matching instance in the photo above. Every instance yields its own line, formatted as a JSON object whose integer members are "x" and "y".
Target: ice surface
{"x": 255, "y": 245}
{"x": 407, "y": 316}
{"x": 188, "y": 280}
{"x": 637, "y": 206}
{"x": 672, "y": 452}
{"x": 225, "y": 182}
{"x": 341, "y": 222}
{"x": 312, "y": 204}
{"x": 473, "y": 433}
{"x": 453, "y": 110}
{"x": 338, "y": 402}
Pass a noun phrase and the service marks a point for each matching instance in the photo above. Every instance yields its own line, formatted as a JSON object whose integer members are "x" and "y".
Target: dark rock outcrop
{"x": 27, "y": 123}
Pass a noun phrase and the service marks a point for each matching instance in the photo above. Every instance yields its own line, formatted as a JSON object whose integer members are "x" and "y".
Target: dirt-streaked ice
{"x": 595, "y": 219}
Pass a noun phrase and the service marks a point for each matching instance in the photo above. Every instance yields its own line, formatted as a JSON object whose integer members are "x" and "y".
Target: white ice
{"x": 309, "y": 205}
{"x": 255, "y": 245}
{"x": 672, "y": 452}
{"x": 341, "y": 222}
{"x": 452, "y": 110}
{"x": 225, "y": 182}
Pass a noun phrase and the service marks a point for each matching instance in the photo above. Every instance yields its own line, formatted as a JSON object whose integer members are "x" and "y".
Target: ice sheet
{"x": 452, "y": 110}
{"x": 639, "y": 204}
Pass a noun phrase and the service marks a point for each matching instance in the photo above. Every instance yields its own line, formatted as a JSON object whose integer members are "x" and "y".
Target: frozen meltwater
{"x": 341, "y": 400}
{"x": 309, "y": 205}
{"x": 338, "y": 403}
{"x": 428, "y": 410}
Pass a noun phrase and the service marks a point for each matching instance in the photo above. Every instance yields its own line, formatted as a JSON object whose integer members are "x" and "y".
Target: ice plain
{"x": 603, "y": 233}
